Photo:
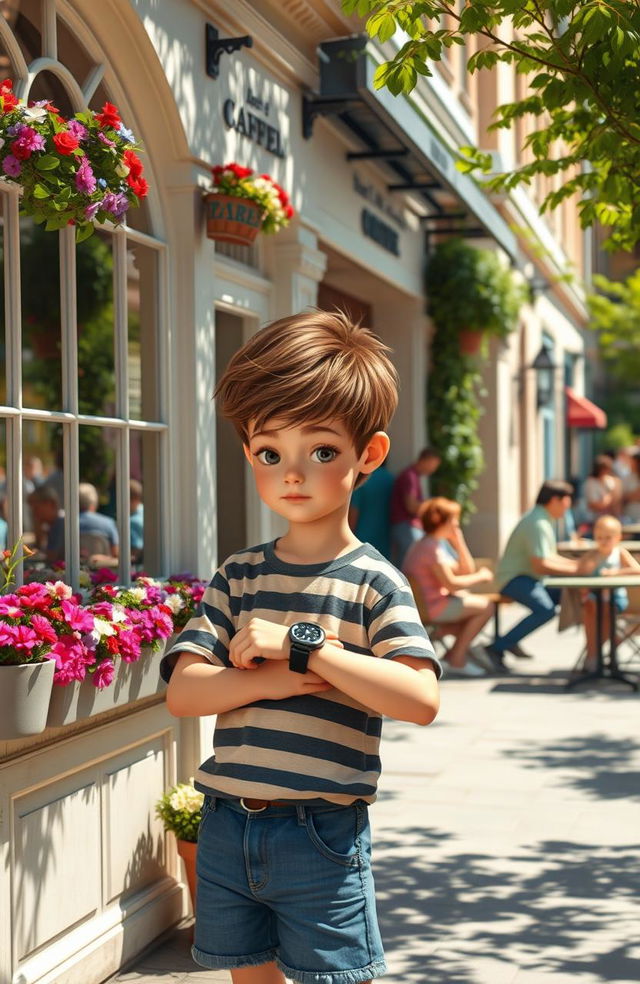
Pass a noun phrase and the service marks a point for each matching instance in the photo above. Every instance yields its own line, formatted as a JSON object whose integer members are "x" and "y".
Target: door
{"x": 230, "y": 460}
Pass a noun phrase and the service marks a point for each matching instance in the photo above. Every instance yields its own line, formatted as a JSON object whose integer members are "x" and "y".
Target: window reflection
{"x": 4, "y": 516}
{"x": 145, "y": 484}
{"x": 96, "y": 360}
{"x": 40, "y": 298}
{"x": 143, "y": 328}
{"x": 43, "y": 497}
{"x": 97, "y": 502}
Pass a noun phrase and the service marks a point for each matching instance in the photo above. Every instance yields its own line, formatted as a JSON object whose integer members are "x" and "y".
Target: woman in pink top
{"x": 442, "y": 568}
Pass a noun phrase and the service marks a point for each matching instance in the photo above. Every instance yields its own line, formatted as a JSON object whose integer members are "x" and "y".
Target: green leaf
{"x": 40, "y": 191}
{"x": 84, "y": 232}
{"x": 47, "y": 162}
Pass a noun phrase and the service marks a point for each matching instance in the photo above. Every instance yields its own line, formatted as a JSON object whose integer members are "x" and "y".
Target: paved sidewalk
{"x": 507, "y": 836}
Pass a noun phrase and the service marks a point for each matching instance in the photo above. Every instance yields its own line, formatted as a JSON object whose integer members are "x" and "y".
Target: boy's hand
{"x": 280, "y": 683}
{"x": 260, "y": 640}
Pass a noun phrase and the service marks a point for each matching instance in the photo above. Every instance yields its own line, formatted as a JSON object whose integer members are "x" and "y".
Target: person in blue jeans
{"x": 530, "y": 553}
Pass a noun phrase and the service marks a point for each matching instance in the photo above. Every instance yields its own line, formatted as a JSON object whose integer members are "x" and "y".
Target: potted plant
{"x": 75, "y": 171}
{"x": 242, "y": 203}
{"x": 180, "y": 810}
{"x": 471, "y": 293}
{"x": 27, "y": 666}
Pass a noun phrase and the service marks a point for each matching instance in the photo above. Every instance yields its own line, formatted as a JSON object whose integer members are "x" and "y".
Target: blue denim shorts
{"x": 291, "y": 884}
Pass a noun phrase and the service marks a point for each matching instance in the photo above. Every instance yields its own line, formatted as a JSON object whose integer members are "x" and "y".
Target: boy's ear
{"x": 247, "y": 454}
{"x": 375, "y": 452}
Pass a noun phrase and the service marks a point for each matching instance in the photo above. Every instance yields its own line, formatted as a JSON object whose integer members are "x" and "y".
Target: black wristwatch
{"x": 304, "y": 638}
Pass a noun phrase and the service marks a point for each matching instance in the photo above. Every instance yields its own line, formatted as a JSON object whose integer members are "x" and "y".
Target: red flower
{"x": 134, "y": 164}
{"x": 65, "y": 142}
{"x": 139, "y": 186}
{"x": 19, "y": 151}
{"x": 7, "y": 98}
{"x": 289, "y": 211}
{"x": 109, "y": 117}
{"x": 112, "y": 645}
{"x": 239, "y": 171}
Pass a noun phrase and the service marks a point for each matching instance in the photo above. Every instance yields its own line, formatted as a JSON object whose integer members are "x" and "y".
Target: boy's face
{"x": 606, "y": 536}
{"x": 307, "y": 472}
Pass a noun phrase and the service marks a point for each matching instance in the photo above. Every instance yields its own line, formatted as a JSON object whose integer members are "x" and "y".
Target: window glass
{"x": 99, "y": 539}
{"x": 4, "y": 516}
{"x": 145, "y": 484}
{"x": 142, "y": 300}
{"x": 40, "y": 282}
{"x": 96, "y": 360}
{"x": 25, "y": 19}
{"x": 72, "y": 54}
{"x": 43, "y": 495}
{"x": 48, "y": 86}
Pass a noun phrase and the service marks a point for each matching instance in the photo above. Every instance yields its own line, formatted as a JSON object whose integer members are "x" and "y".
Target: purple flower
{"x": 11, "y": 166}
{"x": 90, "y": 211}
{"x": 79, "y": 131}
{"x": 116, "y": 204}
{"x": 14, "y": 129}
{"x": 85, "y": 180}
{"x": 105, "y": 140}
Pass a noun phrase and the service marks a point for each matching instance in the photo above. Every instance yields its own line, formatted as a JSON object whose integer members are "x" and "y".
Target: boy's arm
{"x": 389, "y": 686}
{"x": 198, "y": 688}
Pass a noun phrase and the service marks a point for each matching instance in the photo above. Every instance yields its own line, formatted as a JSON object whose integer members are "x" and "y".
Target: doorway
{"x": 230, "y": 461}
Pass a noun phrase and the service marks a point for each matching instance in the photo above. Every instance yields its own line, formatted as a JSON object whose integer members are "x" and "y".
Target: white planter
{"x": 25, "y": 692}
{"x": 132, "y": 681}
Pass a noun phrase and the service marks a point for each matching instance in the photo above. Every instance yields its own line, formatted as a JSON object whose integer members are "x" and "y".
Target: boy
{"x": 608, "y": 557}
{"x": 282, "y": 651}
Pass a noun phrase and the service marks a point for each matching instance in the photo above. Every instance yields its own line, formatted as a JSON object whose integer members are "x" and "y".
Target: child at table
{"x": 608, "y": 558}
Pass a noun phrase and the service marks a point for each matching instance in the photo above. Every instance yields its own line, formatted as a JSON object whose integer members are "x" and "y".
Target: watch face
{"x": 307, "y": 633}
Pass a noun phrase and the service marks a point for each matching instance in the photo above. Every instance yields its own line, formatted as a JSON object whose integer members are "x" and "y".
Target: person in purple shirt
{"x": 406, "y": 496}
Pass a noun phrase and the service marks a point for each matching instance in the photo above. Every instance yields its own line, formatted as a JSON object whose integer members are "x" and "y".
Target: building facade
{"x": 113, "y": 347}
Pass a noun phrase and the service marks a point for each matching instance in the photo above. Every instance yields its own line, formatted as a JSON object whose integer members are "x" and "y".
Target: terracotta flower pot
{"x": 187, "y": 851}
{"x": 25, "y": 692}
{"x": 231, "y": 219}
{"x": 470, "y": 341}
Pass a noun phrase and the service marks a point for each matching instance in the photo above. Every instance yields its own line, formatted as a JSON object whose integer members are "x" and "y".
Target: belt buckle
{"x": 244, "y": 806}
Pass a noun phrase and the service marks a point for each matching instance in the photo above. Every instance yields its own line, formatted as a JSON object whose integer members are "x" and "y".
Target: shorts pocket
{"x": 207, "y": 805}
{"x": 336, "y": 834}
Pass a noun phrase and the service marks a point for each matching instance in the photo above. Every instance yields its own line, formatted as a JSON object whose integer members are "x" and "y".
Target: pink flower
{"x": 24, "y": 638}
{"x": 129, "y": 645}
{"x": 44, "y": 628}
{"x": 103, "y": 674}
{"x": 10, "y": 607}
{"x": 76, "y": 617}
{"x": 71, "y": 658}
{"x": 85, "y": 178}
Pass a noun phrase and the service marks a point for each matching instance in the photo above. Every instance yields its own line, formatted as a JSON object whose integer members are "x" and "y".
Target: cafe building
{"x": 112, "y": 349}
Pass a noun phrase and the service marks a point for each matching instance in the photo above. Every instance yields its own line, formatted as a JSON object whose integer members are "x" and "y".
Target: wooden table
{"x": 630, "y": 529}
{"x": 598, "y": 583}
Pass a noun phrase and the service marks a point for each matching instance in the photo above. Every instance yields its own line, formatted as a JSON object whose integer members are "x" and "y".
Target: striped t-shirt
{"x": 315, "y": 746}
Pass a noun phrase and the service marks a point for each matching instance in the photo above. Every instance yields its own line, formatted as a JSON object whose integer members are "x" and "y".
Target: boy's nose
{"x": 294, "y": 476}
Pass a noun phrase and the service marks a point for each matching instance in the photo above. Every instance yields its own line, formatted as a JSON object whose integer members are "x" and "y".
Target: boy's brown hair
{"x": 436, "y": 512}
{"x": 311, "y": 367}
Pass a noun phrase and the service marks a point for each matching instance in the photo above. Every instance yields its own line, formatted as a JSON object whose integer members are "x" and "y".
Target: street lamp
{"x": 545, "y": 367}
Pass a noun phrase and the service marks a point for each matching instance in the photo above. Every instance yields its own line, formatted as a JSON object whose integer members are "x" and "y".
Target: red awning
{"x": 581, "y": 412}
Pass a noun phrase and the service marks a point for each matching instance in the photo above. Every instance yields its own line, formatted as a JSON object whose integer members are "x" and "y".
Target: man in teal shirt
{"x": 531, "y": 553}
{"x": 369, "y": 510}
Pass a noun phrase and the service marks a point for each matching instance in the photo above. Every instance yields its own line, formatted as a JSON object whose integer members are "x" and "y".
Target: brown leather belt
{"x": 257, "y": 806}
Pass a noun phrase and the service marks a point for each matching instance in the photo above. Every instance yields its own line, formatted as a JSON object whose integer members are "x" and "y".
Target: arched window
{"x": 81, "y": 343}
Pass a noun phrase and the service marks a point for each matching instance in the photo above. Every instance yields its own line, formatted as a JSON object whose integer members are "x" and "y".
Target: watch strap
{"x": 298, "y": 658}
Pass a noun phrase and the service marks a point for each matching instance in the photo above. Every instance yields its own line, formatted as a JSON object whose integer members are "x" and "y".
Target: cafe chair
{"x": 489, "y": 590}
{"x": 628, "y": 626}
{"x": 437, "y": 631}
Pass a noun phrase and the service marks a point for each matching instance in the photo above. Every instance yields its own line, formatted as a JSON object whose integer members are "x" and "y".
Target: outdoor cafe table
{"x": 598, "y": 583}
{"x": 576, "y": 548}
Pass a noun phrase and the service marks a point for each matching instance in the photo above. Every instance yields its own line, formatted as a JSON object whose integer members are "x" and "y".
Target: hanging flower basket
{"x": 233, "y": 220}
{"x": 244, "y": 203}
{"x": 76, "y": 171}
{"x": 470, "y": 341}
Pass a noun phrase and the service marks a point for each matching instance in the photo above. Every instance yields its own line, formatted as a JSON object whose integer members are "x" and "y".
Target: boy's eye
{"x": 325, "y": 454}
{"x": 268, "y": 456}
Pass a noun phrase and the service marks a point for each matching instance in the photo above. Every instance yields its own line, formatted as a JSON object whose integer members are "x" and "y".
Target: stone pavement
{"x": 507, "y": 835}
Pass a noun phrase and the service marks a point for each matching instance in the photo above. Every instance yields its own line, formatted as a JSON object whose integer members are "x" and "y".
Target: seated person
{"x": 48, "y": 521}
{"x": 94, "y": 523}
{"x": 442, "y": 567}
{"x": 136, "y": 520}
{"x": 602, "y": 490}
{"x": 608, "y": 557}
{"x": 531, "y": 553}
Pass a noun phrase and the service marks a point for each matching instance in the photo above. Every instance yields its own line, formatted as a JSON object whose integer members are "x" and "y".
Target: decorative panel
{"x": 56, "y": 869}
{"x": 134, "y": 837}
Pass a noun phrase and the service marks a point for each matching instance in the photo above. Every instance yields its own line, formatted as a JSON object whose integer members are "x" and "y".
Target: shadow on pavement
{"x": 593, "y": 763}
{"x": 554, "y": 908}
